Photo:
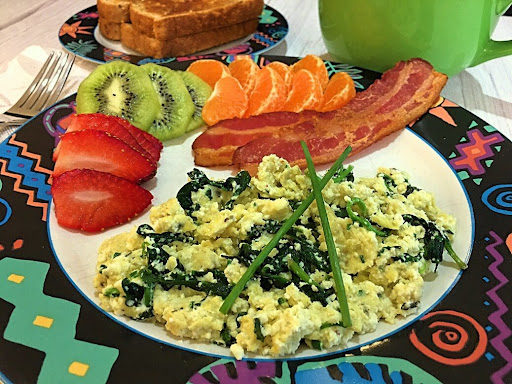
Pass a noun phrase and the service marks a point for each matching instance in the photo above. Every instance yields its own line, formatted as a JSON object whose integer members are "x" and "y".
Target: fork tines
{"x": 47, "y": 85}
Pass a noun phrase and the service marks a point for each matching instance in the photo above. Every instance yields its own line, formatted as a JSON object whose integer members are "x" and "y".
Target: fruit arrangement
{"x": 124, "y": 112}
{"x": 156, "y": 99}
{"x": 99, "y": 163}
{"x": 242, "y": 89}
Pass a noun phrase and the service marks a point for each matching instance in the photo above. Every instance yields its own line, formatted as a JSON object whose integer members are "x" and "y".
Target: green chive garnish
{"x": 331, "y": 247}
{"x": 240, "y": 285}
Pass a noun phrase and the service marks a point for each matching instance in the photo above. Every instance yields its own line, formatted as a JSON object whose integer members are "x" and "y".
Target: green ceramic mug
{"x": 450, "y": 34}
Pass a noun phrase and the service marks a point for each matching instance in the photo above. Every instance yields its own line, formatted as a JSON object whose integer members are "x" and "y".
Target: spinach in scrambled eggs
{"x": 179, "y": 268}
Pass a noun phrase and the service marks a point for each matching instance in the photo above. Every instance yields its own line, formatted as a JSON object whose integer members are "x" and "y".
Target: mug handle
{"x": 495, "y": 49}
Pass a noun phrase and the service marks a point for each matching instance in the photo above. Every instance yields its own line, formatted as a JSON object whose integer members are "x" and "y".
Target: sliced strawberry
{"x": 109, "y": 124}
{"x": 93, "y": 201}
{"x": 103, "y": 152}
{"x": 149, "y": 142}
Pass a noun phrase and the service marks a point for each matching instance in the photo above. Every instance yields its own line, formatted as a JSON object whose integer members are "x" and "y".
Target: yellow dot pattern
{"x": 78, "y": 369}
{"x": 15, "y": 278}
{"x": 48, "y": 324}
{"x": 43, "y": 321}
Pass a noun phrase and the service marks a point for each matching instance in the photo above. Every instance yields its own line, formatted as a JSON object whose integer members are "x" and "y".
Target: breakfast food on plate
{"x": 184, "y": 45}
{"x": 180, "y": 268}
{"x": 119, "y": 89}
{"x": 92, "y": 201}
{"x": 402, "y": 95}
{"x": 244, "y": 69}
{"x": 109, "y": 124}
{"x": 305, "y": 93}
{"x": 162, "y": 28}
{"x": 146, "y": 144}
{"x": 209, "y": 70}
{"x": 199, "y": 92}
{"x": 113, "y": 13}
{"x": 228, "y": 100}
{"x": 98, "y": 163}
{"x": 284, "y": 71}
{"x": 163, "y": 19}
{"x": 154, "y": 98}
{"x": 274, "y": 87}
{"x": 315, "y": 65}
{"x": 269, "y": 93}
{"x": 101, "y": 151}
{"x": 176, "y": 106}
{"x": 339, "y": 91}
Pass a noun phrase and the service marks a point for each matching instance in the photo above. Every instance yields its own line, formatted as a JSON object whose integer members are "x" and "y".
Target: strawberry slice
{"x": 103, "y": 152}
{"x": 149, "y": 142}
{"x": 92, "y": 201}
{"x": 109, "y": 124}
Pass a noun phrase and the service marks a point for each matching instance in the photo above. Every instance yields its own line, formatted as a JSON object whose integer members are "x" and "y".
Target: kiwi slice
{"x": 120, "y": 89}
{"x": 199, "y": 91}
{"x": 176, "y": 106}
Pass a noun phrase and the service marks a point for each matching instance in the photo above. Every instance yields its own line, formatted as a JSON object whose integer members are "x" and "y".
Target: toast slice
{"x": 114, "y": 11}
{"x": 184, "y": 45}
{"x": 168, "y": 19}
{"x": 110, "y": 30}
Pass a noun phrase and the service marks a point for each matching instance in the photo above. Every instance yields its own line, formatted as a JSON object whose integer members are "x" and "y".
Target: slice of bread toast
{"x": 110, "y": 30}
{"x": 114, "y": 11}
{"x": 168, "y": 19}
{"x": 184, "y": 45}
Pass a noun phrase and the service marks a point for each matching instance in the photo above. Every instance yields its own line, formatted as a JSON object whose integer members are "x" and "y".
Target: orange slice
{"x": 244, "y": 69}
{"x": 228, "y": 100}
{"x": 339, "y": 91}
{"x": 269, "y": 93}
{"x": 284, "y": 71}
{"x": 209, "y": 70}
{"x": 315, "y": 65}
{"x": 306, "y": 92}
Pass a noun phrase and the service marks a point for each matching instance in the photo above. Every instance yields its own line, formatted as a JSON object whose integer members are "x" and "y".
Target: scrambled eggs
{"x": 179, "y": 269}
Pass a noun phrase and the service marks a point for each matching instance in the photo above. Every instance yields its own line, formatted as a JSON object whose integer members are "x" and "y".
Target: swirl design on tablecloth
{"x": 59, "y": 128}
{"x": 6, "y": 212}
{"x": 498, "y": 198}
{"x": 450, "y": 337}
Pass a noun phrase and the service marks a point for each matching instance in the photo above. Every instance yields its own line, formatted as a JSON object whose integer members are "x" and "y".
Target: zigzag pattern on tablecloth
{"x": 496, "y": 318}
{"x": 48, "y": 324}
{"x": 25, "y": 168}
{"x": 263, "y": 39}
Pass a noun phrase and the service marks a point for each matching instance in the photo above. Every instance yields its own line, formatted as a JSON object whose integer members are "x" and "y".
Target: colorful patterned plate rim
{"x": 53, "y": 330}
{"x": 80, "y": 35}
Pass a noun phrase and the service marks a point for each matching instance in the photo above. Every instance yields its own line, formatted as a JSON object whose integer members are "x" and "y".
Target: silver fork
{"x": 43, "y": 92}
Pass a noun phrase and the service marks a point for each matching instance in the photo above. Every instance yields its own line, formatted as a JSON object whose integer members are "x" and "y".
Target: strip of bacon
{"x": 401, "y": 96}
{"x": 218, "y": 143}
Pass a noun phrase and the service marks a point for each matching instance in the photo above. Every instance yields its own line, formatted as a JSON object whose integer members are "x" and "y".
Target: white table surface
{"x": 485, "y": 90}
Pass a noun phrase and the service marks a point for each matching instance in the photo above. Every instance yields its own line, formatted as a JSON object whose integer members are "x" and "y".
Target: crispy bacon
{"x": 401, "y": 96}
{"x": 218, "y": 143}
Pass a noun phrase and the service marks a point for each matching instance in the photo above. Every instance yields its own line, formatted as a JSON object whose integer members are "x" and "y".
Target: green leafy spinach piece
{"x": 199, "y": 180}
